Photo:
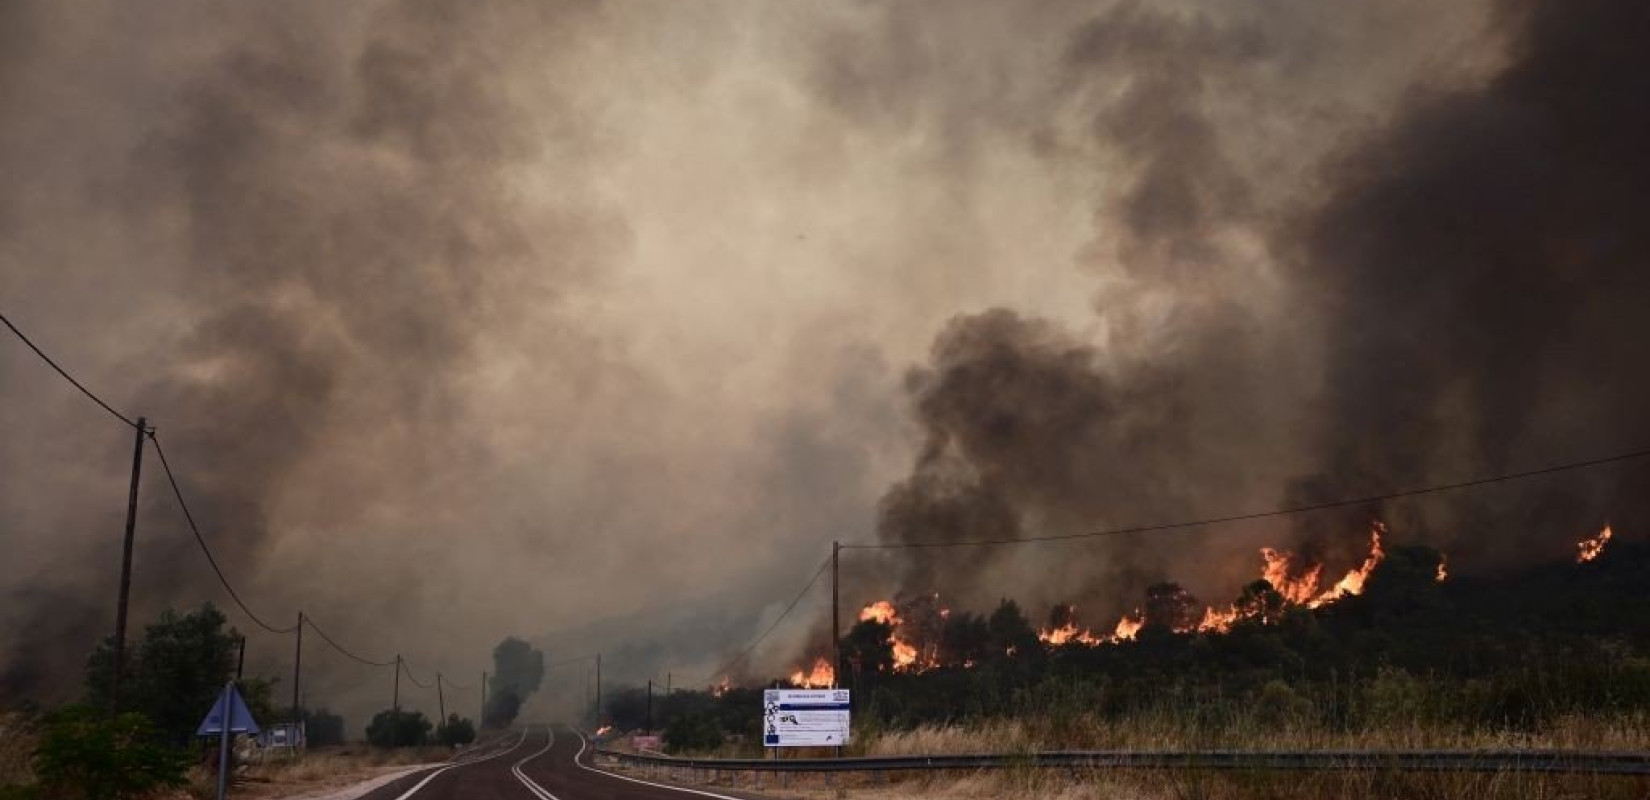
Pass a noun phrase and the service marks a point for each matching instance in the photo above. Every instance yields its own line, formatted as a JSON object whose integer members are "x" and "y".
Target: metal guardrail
{"x": 1548, "y": 761}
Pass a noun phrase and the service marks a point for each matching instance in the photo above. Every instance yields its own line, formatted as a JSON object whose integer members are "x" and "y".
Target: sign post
{"x": 805, "y": 717}
{"x": 227, "y": 717}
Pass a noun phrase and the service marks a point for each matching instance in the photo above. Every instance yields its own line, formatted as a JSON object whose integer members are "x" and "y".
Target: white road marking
{"x": 432, "y": 776}
{"x": 585, "y": 744}
{"x": 537, "y": 790}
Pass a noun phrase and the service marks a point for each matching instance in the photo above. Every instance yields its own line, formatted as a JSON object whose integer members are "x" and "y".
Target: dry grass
{"x": 1175, "y": 729}
{"x": 1171, "y": 785}
{"x": 1170, "y": 731}
{"x": 318, "y": 772}
{"x": 18, "y": 736}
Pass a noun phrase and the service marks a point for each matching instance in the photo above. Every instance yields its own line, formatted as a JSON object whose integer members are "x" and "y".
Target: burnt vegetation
{"x": 1512, "y": 654}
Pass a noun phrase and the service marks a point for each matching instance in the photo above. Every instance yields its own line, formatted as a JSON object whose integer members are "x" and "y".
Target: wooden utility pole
{"x": 298, "y": 671}
{"x": 667, "y": 684}
{"x": 836, "y": 615}
{"x": 598, "y": 690}
{"x": 126, "y": 569}
{"x": 395, "y": 702}
{"x": 240, "y": 661}
{"x": 440, "y": 699}
{"x": 482, "y": 720}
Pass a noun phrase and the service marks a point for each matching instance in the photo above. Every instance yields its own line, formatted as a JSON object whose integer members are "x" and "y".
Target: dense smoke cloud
{"x": 595, "y": 323}
{"x": 1467, "y": 275}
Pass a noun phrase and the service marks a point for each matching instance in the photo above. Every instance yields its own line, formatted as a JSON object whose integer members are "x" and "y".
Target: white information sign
{"x": 805, "y": 717}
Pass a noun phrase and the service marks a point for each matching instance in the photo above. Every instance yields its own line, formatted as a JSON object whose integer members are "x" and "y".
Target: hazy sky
{"x": 597, "y": 322}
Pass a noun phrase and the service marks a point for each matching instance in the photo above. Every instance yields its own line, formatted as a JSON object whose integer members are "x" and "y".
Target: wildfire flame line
{"x": 1296, "y": 585}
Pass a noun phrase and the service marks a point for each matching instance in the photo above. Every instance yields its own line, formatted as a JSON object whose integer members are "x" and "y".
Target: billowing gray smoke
{"x": 338, "y": 183}
{"x": 590, "y": 322}
{"x": 1465, "y": 294}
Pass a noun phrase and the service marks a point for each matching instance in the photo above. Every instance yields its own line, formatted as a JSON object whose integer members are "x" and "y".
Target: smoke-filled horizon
{"x": 595, "y": 323}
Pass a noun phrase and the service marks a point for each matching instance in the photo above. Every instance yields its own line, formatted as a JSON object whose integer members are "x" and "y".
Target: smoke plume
{"x": 595, "y": 323}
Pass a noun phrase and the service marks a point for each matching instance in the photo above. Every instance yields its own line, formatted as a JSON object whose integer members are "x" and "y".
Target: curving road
{"x": 536, "y": 764}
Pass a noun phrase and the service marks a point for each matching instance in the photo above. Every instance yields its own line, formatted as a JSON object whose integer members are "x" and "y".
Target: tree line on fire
{"x": 1512, "y": 653}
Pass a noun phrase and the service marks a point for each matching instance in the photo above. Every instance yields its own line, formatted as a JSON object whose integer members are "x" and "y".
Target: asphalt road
{"x": 535, "y": 764}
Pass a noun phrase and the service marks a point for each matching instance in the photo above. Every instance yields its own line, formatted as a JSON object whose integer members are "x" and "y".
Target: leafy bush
{"x": 86, "y": 755}
{"x": 455, "y": 731}
{"x": 403, "y": 729}
{"x": 693, "y": 732}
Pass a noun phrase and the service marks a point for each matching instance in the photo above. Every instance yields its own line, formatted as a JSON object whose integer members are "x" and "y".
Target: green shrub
{"x": 693, "y": 732}
{"x": 88, "y": 756}
{"x": 455, "y": 731}
{"x": 403, "y": 729}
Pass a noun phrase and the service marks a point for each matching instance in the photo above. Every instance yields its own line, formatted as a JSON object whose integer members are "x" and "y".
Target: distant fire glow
{"x": 1589, "y": 549}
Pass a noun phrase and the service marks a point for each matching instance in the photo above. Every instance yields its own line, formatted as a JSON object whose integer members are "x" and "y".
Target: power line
{"x": 201, "y": 540}
{"x": 189, "y": 516}
{"x": 408, "y": 670}
{"x": 310, "y": 621}
{"x": 758, "y": 640}
{"x": 67, "y": 376}
{"x": 1173, "y": 526}
{"x": 450, "y": 685}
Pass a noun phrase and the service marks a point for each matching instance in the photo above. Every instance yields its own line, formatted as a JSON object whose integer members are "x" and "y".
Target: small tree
{"x": 84, "y": 754}
{"x": 455, "y": 731}
{"x": 868, "y": 647}
{"x": 403, "y": 729}
{"x": 174, "y": 671}
{"x": 1011, "y": 632}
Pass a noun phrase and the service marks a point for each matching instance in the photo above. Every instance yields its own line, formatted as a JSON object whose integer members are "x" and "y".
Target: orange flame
{"x": 1353, "y": 583}
{"x": 719, "y": 689}
{"x": 603, "y": 730}
{"x": 820, "y": 677}
{"x": 882, "y": 611}
{"x": 1443, "y": 569}
{"x": 1218, "y": 621}
{"x": 1278, "y": 565}
{"x": 1127, "y": 627}
{"x": 906, "y": 656}
{"x": 1067, "y": 634}
{"x": 1589, "y": 549}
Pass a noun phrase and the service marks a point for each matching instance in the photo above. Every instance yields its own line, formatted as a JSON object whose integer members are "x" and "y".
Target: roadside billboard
{"x": 805, "y": 717}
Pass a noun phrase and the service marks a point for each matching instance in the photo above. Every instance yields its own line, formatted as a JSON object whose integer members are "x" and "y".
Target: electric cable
{"x": 66, "y": 375}
{"x": 310, "y": 621}
{"x": 758, "y": 640}
{"x": 1279, "y": 512}
{"x": 201, "y": 540}
{"x": 408, "y": 670}
{"x": 194, "y": 528}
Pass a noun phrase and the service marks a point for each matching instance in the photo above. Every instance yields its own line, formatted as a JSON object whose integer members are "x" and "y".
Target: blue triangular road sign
{"x": 240, "y": 719}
